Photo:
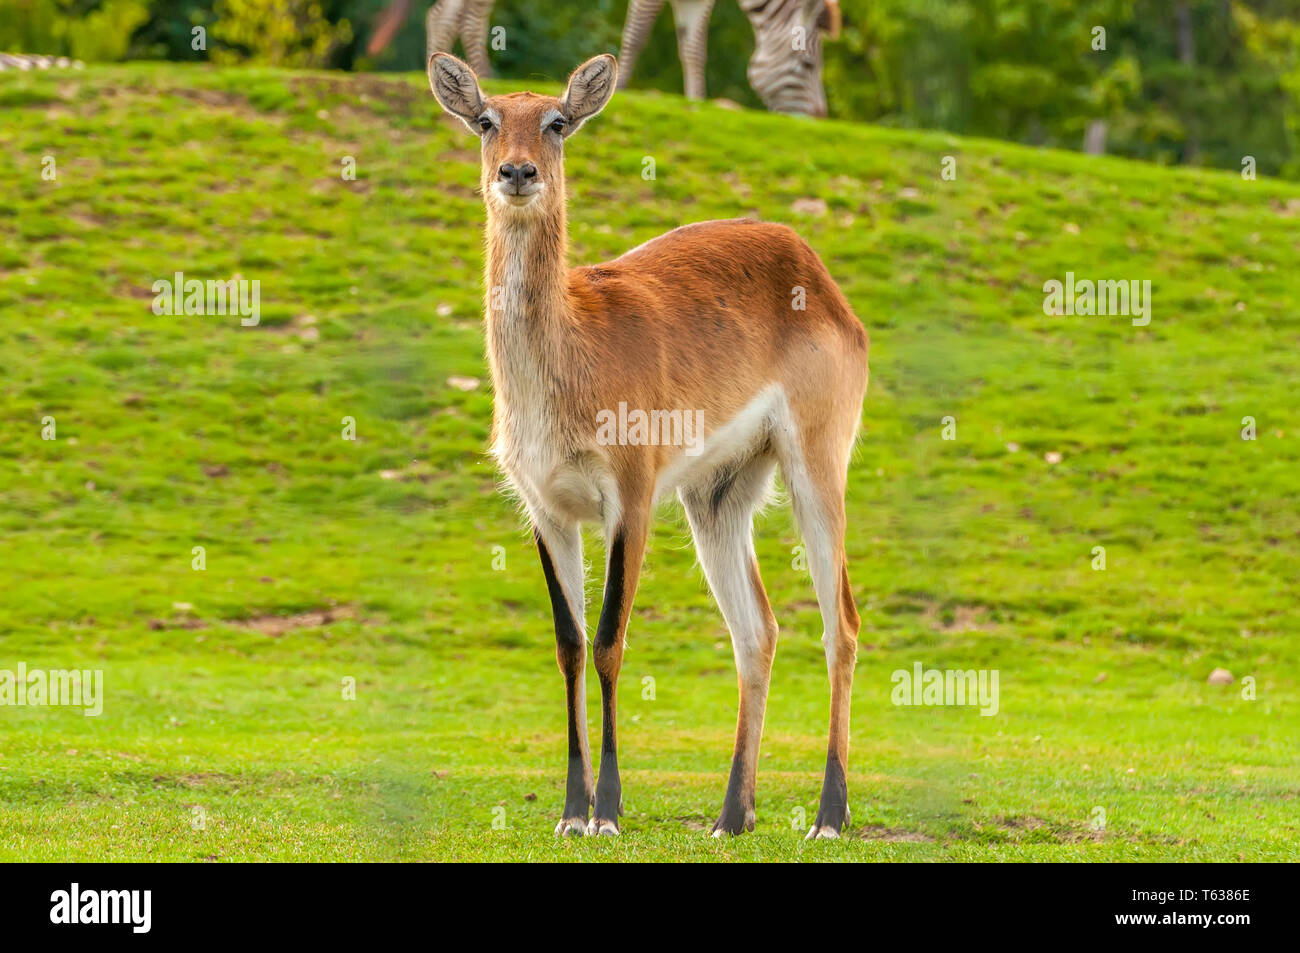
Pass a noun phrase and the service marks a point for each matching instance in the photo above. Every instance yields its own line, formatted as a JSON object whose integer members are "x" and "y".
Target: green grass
{"x": 176, "y": 432}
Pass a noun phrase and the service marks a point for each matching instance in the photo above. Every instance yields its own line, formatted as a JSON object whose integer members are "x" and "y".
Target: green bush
{"x": 57, "y": 28}
{"x": 276, "y": 32}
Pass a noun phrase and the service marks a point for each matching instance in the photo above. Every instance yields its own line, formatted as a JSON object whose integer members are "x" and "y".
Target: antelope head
{"x": 522, "y": 134}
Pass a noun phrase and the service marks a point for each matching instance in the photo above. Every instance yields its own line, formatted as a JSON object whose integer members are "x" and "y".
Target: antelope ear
{"x": 455, "y": 87}
{"x": 589, "y": 89}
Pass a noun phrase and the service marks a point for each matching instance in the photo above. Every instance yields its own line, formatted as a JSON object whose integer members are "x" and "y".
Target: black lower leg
{"x": 571, "y": 652}
{"x": 609, "y": 659}
{"x": 833, "y": 811}
{"x": 738, "y": 803}
{"x": 609, "y": 789}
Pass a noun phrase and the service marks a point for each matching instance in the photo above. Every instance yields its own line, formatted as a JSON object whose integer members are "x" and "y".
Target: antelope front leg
{"x": 560, "y": 549}
{"x": 626, "y": 551}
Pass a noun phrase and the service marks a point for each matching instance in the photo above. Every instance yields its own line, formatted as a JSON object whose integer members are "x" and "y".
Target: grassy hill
{"x": 392, "y": 560}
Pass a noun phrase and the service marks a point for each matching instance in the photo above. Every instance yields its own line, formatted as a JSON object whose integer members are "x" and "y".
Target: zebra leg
{"x": 692, "y": 19}
{"x": 636, "y": 32}
{"x": 473, "y": 34}
{"x": 441, "y": 26}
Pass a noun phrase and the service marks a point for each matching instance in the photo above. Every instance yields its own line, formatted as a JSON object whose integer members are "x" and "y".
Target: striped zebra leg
{"x": 442, "y": 25}
{"x": 473, "y": 33}
{"x": 692, "y": 19}
{"x": 786, "y": 67}
{"x": 640, "y": 21}
{"x": 29, "y": 61}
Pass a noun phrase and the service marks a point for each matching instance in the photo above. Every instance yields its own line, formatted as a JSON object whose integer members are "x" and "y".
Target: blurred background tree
{"x": 1178, "y": 81}
{"x": 167, "y": 34}
{"x": 1200, "y": 82}
{"x": 95, "y": 30}
{"x": 276, "y": 32}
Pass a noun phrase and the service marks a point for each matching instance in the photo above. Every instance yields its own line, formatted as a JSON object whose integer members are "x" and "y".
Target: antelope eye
{"x": 484, "y": 123}
{"x": 557, "y": 126}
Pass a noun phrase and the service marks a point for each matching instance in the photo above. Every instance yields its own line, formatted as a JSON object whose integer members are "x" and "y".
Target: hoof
{"x": 824, "y": 832}
{"x": 602, "y": 827}
{"x": 571, "y": 827}
{"x": 731, "y": 824}
{"x": 831, "y": 819}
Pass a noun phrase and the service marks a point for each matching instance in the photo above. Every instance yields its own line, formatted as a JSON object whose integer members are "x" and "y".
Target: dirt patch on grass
{"x": 390, "y": 92}
{"x": 211, "y": 97}
{"x": 200, "y": 780}
{"x": 894, "y": 835}
{"x": 419, "y": 471}
{"x": 957, "y": 618}
{"x": 323, "y": 185}
{"x": 457, "y": 155}
{"x": 1030, "y": 829}
{"x": 193, "y": 780}
{"x": 277, "y": 625}
{"x": 138, "y": 292}
{"x": 272, "y": 625}
{"x": 183, "y": 622}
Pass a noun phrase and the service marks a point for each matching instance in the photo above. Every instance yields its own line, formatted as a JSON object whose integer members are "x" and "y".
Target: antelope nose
{"x": 517, "y": 174}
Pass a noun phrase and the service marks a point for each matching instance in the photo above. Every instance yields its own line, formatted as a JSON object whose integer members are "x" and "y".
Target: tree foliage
{"x": 1173, "y": 81}
{"x": 84, "y": 31}
{"x": 1191, "y": 81}
{"x": 277, "y": 32}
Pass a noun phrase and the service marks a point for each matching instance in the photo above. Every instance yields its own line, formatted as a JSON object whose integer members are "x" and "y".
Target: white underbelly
{"x": 563, "y": 483}
{"x": 554, "y": 481}
{"x": 737, "y": 439}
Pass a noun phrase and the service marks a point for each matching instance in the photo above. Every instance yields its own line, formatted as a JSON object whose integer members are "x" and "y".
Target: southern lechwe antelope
{"x": 737, "y": 322}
